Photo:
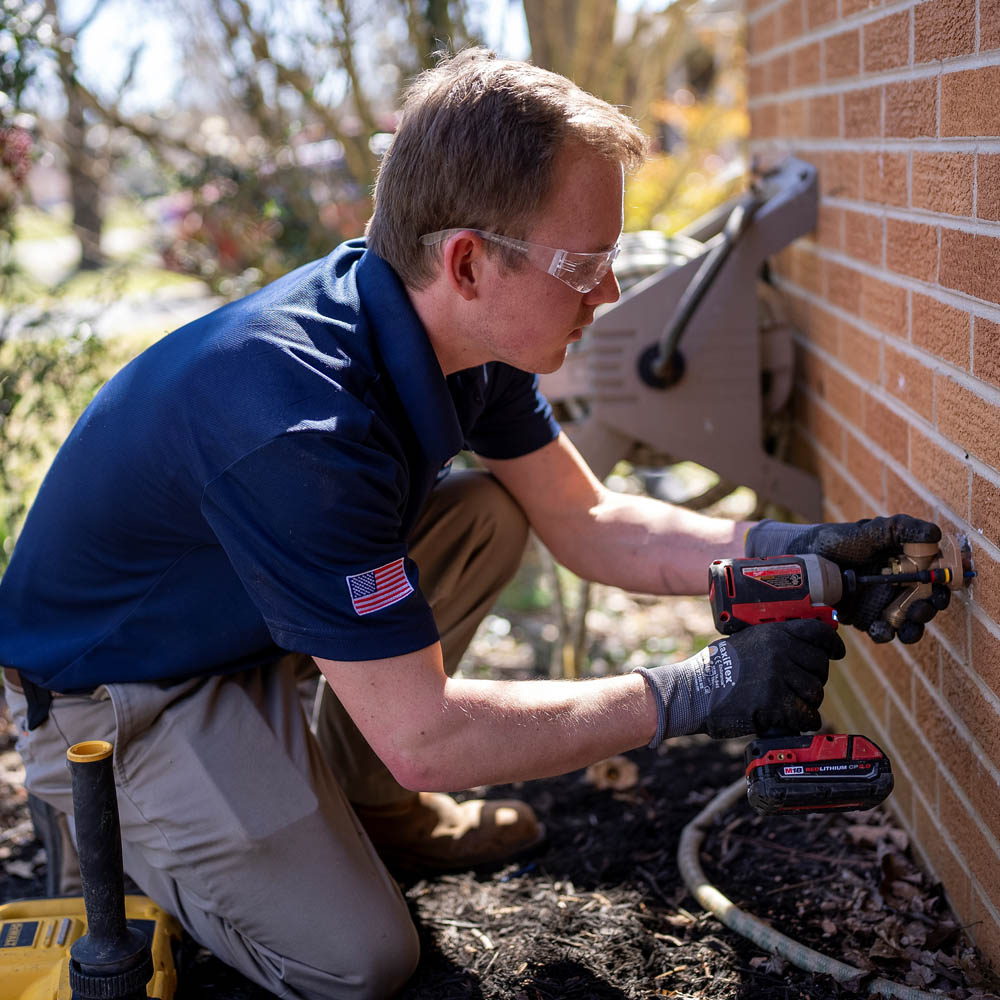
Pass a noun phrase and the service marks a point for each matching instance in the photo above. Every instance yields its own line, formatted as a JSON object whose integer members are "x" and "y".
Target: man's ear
{"x": 463, "y": 258}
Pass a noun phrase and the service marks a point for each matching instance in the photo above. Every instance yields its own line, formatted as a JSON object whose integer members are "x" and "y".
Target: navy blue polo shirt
{"x": 247, "y": 485}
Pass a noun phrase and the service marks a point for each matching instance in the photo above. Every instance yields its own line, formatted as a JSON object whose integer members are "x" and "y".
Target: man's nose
{"x": 606, "y": 290}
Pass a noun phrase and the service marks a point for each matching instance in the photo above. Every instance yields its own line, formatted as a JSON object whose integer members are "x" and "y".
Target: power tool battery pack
{"x": 828, "y": 772}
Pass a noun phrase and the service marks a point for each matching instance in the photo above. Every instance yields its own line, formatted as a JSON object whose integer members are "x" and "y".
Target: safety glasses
{"x": 583, "y": 272}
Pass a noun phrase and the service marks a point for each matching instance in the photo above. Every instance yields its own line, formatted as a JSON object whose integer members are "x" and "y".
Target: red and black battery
{"x": 827, "y": 772}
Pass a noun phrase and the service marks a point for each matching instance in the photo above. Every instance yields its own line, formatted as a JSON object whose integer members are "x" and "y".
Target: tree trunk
{"x": 84, "y": 170}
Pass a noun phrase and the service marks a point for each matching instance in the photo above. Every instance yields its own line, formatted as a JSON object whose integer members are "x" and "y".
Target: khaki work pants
{"x": 237, "y": 819}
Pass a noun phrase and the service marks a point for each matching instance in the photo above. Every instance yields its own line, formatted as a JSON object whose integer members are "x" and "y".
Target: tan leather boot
{"x": 434, "y": 833}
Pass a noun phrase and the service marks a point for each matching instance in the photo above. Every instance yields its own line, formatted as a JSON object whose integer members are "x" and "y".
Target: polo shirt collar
{"x": 409, "y": 359}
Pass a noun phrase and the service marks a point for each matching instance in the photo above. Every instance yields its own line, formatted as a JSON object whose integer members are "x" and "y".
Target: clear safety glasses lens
{"x": 583, "y": 272}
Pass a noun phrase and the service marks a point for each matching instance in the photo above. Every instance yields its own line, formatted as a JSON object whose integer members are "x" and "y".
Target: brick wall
{"x": 898, "y": 403}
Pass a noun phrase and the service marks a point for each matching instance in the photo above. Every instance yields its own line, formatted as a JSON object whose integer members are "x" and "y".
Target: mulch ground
{"x": 601, "y": 912}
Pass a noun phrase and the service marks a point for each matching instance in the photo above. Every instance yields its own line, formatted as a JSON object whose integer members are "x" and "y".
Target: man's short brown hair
{"x": 475, "y": 148}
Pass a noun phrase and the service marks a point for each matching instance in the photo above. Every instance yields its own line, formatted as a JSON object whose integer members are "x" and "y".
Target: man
{"x": 265, "y": 489}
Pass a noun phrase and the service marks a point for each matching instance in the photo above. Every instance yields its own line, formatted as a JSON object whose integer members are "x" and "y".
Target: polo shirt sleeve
{"x": 517, "y": 418}
{"x": 311, "y": 522}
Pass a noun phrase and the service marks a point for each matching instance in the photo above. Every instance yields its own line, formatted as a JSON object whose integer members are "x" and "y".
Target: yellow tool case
{"x": 36, "y": 935}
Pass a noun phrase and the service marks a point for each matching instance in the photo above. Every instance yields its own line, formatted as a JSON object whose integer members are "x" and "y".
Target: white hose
{"x": 756, "y": 930}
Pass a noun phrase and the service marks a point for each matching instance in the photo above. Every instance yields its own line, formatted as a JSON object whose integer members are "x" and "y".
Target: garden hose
{"x": 749, "y": 926}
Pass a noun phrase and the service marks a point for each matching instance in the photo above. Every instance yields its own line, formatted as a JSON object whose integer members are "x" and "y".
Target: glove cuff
{"x": 661, "y": 708}
{"x": 776, "y": 538}
{"x": 676, "y": 711}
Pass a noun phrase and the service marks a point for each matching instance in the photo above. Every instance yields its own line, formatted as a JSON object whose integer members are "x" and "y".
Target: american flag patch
{"x": 378, "y": 588}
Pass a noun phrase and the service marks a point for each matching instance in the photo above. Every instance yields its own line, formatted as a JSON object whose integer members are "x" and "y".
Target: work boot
{"x": 432, "y": 832}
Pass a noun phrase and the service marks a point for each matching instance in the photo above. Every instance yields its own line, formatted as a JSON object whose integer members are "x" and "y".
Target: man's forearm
{"x": 644, "y": 545}
{"x": 491, "y": 732}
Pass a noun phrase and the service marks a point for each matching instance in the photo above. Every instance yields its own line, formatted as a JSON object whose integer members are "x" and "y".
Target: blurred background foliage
{"x": 128, "y": 208}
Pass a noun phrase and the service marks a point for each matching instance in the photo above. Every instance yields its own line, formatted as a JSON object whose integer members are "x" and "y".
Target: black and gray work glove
{"x": 866, "y": 547}
{"x": 765, "y": 678}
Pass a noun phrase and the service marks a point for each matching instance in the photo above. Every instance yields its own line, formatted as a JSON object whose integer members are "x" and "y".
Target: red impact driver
{"x": 824, "y": 772}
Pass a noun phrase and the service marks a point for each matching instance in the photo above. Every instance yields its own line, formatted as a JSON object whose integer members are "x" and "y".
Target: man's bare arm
{"x": 636, "y": 543}
{"x": 436, "y": 733}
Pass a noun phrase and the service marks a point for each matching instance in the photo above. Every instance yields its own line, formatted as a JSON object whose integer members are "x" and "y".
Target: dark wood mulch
{"x": 602, "y": 912}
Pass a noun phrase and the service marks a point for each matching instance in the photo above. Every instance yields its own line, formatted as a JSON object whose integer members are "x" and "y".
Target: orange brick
{"x": 842, "y": 56}
{"x": 790, "y": 24}
{"x": 839, "y": 391}
{"x": 968, "y": 102}
{"x": 820, "y": 12}
{"x": 942, "y": 330}
{"x": 986, "y": 654}
{"x": 822, "y": 327}
{"x": 989, "y": 25}
{"x": 843, "y": 286}
{"x": 987, "y": 595}
{"x": 861, "y": 697}
{"x": 764, "y": 121}
{"x": 853, "y": 6}
{"x": 791, "y": 118}
{"x": 860, "y": 352}
{"x": 887, "y": 42}
{"x": 883, "y": 178}
{"x": 986, "y": 353}
{"x": 807, "y": 270}
{"x": 988, "y": 185}
{"x": 759, "y": 80}
{"x": 944, "y": 28}
{"x": 952, "y": 626}
{"x": 863, "y": 113}
{"x": 986, "y": 508}
{"x": 865, "y": 467}
{"x": 912, "y": 749}
{"x": 824, "y": 117}
{"x": 863, "y": 237}
{"x": 971, "y": 263}
{"x": 909, "y": 381}
{"x": 840, "y": 176}
{"x": 912, "y": 248}
{"x": 779, "y": 73}
{"x": 940, "y": 732}
{"x": 911, "y": 108}
{"x": 806, "y": 65}
{"x": 762, "y": 33}
{"x": 926, "y": 654}
{"x": 943, "y": 182}
{"x": 944, "y": 475}
{"x": 830, "y": 227}
{"x": 802, "y": 451}
{"x": 968, "y": 837}
{"x": 968, "y": 420}
{"x": 968, "y": 703}
{"x": 897, "y": 672}
{"x": 901, "y": 497}
{"x": 901, "y": 802}
{"x": 947, "y": 866}
{"x": 887, "y": 429}
{"x": 983, "y": 927}
{"x": 984, "y": 793}
{"x": 883, "y": 305}
{"x": 842, "y": 494}
{"x": 825, "y": 428}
